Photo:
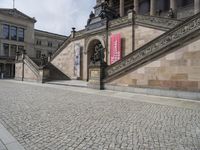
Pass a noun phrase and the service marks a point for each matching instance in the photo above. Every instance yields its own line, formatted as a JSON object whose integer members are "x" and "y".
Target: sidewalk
{"x": 7, "y": 141}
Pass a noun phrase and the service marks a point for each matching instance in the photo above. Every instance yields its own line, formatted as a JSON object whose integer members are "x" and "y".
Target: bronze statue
{"x": 98, "y": 55}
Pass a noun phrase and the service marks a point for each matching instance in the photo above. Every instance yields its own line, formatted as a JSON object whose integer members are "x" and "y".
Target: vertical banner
{"x": 77, "y": 60}
{"x": 115, "y": 48}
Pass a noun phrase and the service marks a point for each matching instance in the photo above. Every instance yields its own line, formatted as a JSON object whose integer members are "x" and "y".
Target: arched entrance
{"x": 93, "y": 52}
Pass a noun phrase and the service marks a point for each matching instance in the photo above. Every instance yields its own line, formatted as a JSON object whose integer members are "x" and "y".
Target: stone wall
{"x": 18, "y": 70}
{"x": 126, "y": 35}
{"x": 65, "y": 60}
{"x": 29, "y": 75}
{"x": 144, "y": 35}
{"x": 179, "y": 70}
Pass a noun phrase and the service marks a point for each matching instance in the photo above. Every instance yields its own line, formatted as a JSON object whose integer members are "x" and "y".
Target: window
{"x": 13, "y": 50}
{"x": 38, "y": 54}
{"x": 21, "y": 34}
{"x": 6, "y": 31}
{"x": 13, "y": 32}
{"x": 50, "y": 44}
{"x": 39, "y": 42}
{"x": 5, "y": 49}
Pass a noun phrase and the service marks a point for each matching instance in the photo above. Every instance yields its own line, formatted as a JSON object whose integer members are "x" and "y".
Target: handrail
{"x": 33, "y": 66}
{"x": 32, "y": 62}
{"x": 167, "y": 23}
{"x": 164, "y": 23}
{"x": 61, "y": 48}
{"x": 164, "y": 43}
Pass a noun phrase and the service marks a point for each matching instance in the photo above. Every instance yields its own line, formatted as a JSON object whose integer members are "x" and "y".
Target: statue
{"x": 98, "y": 55}
{"x": 92, "y": 15}
{"x": 43, "y": 60}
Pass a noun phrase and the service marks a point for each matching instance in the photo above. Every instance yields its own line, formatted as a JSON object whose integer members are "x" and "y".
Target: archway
{"x": 91, "y": 51}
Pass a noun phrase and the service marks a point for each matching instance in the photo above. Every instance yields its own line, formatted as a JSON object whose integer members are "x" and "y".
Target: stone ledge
{"x": 157, "y": 92}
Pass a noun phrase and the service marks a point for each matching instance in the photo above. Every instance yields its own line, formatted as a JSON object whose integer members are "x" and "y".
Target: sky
{"x": 56, "y": 16}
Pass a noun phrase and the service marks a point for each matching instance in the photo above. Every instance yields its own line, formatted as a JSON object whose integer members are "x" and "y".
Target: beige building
{"x": 46, "y": 42}
{"x": 152, "y": 49}
{"x": 17, "y": 33}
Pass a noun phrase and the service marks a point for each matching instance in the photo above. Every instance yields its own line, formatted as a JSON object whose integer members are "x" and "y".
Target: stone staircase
{"x": 32, "y": 65}
{"x": 174, "y": 38}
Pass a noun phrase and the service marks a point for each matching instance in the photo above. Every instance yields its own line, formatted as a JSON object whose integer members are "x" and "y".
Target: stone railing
{"x": 159, "y": 22}
{"x": 32, "y": 73}
{"x": 171, "y": 39}
{"x": 185, "y": 12}
{"x": 165, "y": 23}
{"x": 119, "y": 21}
{"x": 32, "y": 66}
{"x": 80, "y": 33}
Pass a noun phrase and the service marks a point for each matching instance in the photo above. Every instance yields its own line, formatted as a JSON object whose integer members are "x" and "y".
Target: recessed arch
{"x": 90, "y": 46}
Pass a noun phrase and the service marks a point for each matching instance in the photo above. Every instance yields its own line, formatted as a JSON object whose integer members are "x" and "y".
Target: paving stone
{"x": 51, "y": 118}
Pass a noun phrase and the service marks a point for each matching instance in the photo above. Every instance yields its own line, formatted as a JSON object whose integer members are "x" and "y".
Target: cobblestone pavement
{"x": 50, "y": 118}
{"x": 2, "y": 146}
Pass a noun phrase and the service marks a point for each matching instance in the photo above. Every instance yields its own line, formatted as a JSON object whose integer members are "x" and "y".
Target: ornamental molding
{"x": 157, "y": 21}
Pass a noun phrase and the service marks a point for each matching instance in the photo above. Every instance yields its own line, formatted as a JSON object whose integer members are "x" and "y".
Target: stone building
{"x": 46, "y": 42}
{"x": 17, "y": 33}
{"x": 153, "y": 49}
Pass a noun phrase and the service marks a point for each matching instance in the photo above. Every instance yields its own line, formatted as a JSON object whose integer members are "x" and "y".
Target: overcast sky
{"x": 57, "y": 16}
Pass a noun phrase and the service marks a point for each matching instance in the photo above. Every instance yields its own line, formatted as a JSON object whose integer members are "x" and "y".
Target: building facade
{"x": 17, "y": 33}
{"x": 149, "y": 49}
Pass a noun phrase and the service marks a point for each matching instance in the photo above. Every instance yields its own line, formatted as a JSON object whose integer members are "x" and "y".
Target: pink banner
{"x": 115, "y": 48}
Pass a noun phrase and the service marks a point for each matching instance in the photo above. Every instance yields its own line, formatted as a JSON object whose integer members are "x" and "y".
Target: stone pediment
{"x": 16, "y": 13}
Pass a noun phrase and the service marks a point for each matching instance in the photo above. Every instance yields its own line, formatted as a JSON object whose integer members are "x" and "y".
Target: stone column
{"x": 173, "y": 6}
{"x": 196, "y": 6}
{"x": 121, "y": 8}
{"x": 136, "y": 6}
{"x": 153, "y": 7}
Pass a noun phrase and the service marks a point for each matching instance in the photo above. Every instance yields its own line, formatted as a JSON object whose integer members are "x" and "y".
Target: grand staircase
{"x": 174, "y": 38}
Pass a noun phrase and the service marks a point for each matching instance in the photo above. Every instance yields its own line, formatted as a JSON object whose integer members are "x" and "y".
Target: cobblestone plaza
{"x": 51, "y": 117}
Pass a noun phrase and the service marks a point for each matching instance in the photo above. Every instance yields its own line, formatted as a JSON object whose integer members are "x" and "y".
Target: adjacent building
{"x": 18, "y": 33}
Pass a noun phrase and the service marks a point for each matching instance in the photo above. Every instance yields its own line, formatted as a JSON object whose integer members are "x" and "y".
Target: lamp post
{"x": 23, "y": 57}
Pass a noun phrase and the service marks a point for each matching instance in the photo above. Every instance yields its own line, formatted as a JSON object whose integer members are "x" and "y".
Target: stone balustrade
{"x": 161, "y": 45}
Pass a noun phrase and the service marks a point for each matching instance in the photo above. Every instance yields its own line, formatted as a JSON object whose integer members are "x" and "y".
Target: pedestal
{"x": 96, "y": 75}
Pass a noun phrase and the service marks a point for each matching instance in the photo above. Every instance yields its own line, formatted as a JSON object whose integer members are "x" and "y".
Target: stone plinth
{"x": 96, "y": 74}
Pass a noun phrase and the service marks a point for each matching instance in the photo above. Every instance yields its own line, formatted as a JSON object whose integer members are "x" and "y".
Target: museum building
{"x": 145, "y": 46}
{"x": 17, "y": 33}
